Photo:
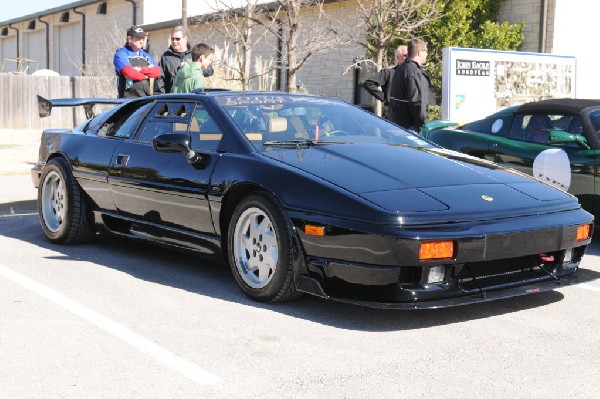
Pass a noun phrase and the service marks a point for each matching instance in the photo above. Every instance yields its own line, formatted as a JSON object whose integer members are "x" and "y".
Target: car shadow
{"x": 184, "y": 271}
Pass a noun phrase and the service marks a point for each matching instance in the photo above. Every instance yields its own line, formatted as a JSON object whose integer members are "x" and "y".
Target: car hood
{"x": 404, "y": 179}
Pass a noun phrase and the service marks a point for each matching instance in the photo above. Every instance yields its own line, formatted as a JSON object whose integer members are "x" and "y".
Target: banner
{"x": 477, "y": 83}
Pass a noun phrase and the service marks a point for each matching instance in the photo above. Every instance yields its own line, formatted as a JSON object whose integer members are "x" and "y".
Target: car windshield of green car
{"x": 273, "y": 120}
{"x": 595, "y": 120}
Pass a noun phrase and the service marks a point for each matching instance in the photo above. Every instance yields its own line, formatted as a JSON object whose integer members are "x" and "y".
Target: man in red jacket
{"x": 134, "y": 66}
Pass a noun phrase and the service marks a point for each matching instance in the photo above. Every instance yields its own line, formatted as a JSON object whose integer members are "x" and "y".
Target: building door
{"x": 8, "y": 49}
{"x": 67, "y": 47}
{"x": 34, "y": 47}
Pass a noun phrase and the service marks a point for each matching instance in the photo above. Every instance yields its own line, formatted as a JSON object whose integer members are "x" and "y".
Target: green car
{"x": 556, "y": 141}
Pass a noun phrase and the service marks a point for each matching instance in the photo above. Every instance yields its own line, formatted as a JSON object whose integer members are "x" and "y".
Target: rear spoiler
{"x": 45, "y": 105}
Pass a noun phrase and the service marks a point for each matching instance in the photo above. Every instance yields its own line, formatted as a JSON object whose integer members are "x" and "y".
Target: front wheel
{"x": 259, "y": 250}
{"x": 61, "y": 206}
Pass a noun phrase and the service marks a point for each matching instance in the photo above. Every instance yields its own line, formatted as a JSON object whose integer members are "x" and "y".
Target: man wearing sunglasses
{"x": 134, "y": 66}
{"x": 178, "y": 53}
{"x": 409, "y": 95}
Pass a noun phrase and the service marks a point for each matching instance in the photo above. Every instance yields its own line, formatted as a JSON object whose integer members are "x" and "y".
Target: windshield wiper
{"x": 300, "y": 143}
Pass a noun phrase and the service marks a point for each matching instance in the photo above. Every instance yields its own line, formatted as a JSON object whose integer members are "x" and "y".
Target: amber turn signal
{"x": 583, "y": 232}
{"x": 436, "y": 250}
{"x": 314, "y": 230}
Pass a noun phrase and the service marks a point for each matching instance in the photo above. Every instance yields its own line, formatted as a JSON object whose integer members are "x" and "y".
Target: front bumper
{"x": 312, "y": 286}
{"x": 385, "y": 271}
{"x": 36, "y": 174}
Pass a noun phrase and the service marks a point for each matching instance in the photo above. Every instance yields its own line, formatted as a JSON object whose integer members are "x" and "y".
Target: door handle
{"x": 122, "y": 160}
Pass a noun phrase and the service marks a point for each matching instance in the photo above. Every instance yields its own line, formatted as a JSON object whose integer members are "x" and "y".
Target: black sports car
{"x": 302, "y": 193}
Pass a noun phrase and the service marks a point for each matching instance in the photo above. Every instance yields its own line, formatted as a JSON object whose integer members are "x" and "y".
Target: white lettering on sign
{"x": 472, "y": 68}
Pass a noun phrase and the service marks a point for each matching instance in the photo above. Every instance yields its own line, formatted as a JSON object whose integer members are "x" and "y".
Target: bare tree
{"x": 377, "y": 24}
{"x": 283, "y": 19}
{"x": 184, "y": 16}
{"x": 299, "y": 45}
{"x": 238, "y": 25}
{"x": 384, "y": 21}
{"x": 100, "y": 61}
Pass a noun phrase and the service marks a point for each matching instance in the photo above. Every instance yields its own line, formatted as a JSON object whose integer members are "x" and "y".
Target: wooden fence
{"x": 18, "y": 99}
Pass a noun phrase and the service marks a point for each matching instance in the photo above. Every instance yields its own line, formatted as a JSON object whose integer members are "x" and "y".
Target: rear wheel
{"x": 61, "y": 207}
{"x": 259, "y": 250}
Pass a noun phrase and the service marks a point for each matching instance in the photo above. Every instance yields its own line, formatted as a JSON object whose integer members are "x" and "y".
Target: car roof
{"x": 216, "y": 92}
{"x": 558, "y": 105}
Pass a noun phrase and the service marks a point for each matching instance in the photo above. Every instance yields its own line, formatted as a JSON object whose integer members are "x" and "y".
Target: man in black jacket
{"x": 409, "y": 97}
{"x": 176, "y": 55}
{"x": 379, "y": 86}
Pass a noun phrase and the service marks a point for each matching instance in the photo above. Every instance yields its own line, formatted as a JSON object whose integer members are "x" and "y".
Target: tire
{"x": 61, "y": 206}
{"x": 259, "y": 250}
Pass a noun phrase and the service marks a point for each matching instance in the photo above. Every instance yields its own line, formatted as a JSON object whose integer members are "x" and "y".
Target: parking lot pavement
{"x": 119, "y": 318}
{"x": 18, "y": 195}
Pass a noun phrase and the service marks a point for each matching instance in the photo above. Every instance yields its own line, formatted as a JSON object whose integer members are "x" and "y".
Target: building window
{"x": 101, "y": 8}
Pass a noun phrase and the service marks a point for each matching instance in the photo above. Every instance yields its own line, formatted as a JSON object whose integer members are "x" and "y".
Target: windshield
{"x": 595, "y": 120}
{"x": 281, "y": 120}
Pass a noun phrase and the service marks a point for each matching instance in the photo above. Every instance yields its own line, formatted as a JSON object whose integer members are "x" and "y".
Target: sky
{"x": 19, "y": 8}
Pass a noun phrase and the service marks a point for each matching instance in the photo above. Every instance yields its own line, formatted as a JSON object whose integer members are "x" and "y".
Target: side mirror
{"x": 176, "y": 142}
{"x": 562, "y": 137}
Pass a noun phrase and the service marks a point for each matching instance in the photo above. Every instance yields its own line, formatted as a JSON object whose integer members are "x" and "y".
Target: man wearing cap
{"x": 134, "y": 66}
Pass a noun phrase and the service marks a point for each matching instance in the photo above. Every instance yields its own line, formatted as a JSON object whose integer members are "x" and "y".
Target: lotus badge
{"x": 487, "y": 198}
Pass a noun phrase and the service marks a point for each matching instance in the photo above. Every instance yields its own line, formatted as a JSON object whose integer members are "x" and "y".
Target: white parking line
{"x": 169, "y": 359}
{"x": 588, "y": 287}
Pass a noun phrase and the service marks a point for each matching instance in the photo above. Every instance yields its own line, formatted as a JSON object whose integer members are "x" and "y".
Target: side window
{"x": 576, "y": 126}
{"x": 536, "y": 128}
{"x": 568, "y": 123}
{"x": 166, "y": 118}
{"x": 204, "y": 131}
{"x": 562, "y": 122}
{"x": 124, "y": 123}
{"x": 533, "y": 128}
{"x": 155, "y": 127}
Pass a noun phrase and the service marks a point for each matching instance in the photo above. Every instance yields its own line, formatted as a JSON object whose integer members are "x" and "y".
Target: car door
{"x": 90, "y": 154}
{"x": 566, "y": 166}
{"x": 162, "y": 188}
{"x": 475, "y": 138}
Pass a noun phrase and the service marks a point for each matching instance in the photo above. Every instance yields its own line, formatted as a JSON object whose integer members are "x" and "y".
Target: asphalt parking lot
{"x": 118, "y": 318}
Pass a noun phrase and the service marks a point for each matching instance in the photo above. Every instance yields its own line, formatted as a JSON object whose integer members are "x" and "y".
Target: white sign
{"x": 477, "y": 83}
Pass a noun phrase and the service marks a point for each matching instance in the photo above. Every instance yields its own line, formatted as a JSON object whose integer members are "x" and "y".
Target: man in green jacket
{"x": 190, "y": 76}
